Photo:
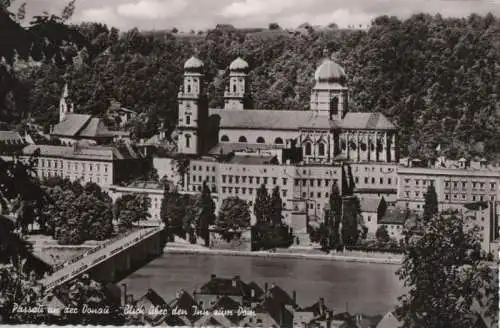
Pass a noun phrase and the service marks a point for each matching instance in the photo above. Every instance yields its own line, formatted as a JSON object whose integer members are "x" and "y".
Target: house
{"x": 119, "y": 114}
{"x": 182, "y": 307}
{"x": 369, "y": 212}
{"x": 394, "y": 221}
{"x": 155, "y": 308}
{"x": 233, "y": 288}
{"x": 11, "y": 144}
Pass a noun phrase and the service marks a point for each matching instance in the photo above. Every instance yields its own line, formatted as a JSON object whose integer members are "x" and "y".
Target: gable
{"x": 71, "y": 125}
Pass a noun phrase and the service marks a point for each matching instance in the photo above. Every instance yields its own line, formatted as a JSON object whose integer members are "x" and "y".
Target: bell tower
{"x": 193, "y": 108}
{"x": 237, "y": 96}
{"x": 329, "y": 96}
{"x": 65, "y": 104}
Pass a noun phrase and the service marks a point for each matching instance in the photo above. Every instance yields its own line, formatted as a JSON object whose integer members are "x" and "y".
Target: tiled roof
{"x": 271, "y": 119}
{"x": 389, "y": 321}
{"x": 253, "y": 160}
{"x": 224, "y": 286}
{"x": 366, "y": 121}
{"x": 94, "y": 152}
{"x": 152, "y": 298}
{"x": 11, "y": 137}
{"x": 396, "y": 215}
{"x": 71, "y": 125}
{"x": 185, "y": 301}
{"x": 229, "y": 147}
{"x": 94, "y": 128}
{"x": 369, "y": 204}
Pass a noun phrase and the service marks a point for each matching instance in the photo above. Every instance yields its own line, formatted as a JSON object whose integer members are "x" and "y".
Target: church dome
{"x": 329, "y": 71}
{"x": 238, "y": 64}
{"x": 193, "y": 64}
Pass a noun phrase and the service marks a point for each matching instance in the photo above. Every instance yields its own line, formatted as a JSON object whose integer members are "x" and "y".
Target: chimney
{"x": 124, "y": 295}
{"x": 212, "y": 276}
{"x": 294, "y": 297}
{"x": 235, "y": 281}
{"x": 265, "y": 289}
{"x": 252, "y": 293}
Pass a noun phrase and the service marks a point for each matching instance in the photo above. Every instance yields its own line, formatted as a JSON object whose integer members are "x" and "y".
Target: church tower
{"x": 329, "y": 95}
{"x": 237, "y": 96}
{"x": 193, "y": 108}
{"x": 65, "y": 104}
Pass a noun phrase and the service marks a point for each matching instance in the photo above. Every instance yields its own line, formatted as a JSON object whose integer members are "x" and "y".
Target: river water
{"x": 360, "y": 287}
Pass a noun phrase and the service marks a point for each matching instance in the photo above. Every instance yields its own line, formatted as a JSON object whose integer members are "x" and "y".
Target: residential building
{"x": 369, "y": 212}
{"x": 103, "y": 165}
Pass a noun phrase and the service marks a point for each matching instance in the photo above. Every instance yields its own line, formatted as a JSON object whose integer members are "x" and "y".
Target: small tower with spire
{"x": 237, "y": 96}
{"x": 65, "y": 104}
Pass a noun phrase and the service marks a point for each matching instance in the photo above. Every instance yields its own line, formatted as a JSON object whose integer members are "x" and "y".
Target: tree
{"x": 431, "y": 203}
{"x": 173, "y": 211}
{"x": 132, "y": 208}
{"x": 276, "y": 207}
{"x": 274, "y": 26}
{"x": 382, "y": 234}
{"x": 334, "y": 218}
{"x": 445, "y": 276}
{"x": 382, "y": 208}
{"x": 164, "y": 213}
{"x": 234, "y": 217}
{"x": 207, "y": 214}
{"x": 261, "y": 206}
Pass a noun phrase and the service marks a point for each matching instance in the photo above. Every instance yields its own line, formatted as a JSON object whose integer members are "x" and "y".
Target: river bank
{"x": 394, "y": 260}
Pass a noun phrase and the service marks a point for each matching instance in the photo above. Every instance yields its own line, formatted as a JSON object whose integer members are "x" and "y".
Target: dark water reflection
{"x": 366, "y": 288}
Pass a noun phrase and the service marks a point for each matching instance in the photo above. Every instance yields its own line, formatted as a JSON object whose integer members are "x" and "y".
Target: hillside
{"x": 437, "y": 78}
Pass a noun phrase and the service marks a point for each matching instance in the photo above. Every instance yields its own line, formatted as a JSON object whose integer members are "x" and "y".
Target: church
{"x": 326, "y": 133}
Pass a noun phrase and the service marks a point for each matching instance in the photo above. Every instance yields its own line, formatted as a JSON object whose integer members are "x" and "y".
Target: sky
{"x": 187, "y": 15}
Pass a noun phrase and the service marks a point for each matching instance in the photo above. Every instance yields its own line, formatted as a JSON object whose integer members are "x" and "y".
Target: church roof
{"x": 239, "y": 64}
{"x": 193, "y": 63}
{"x": 270, "y": 119}
{"x": 329, "y": 71}
{"x": 229, "y": 147}
{"x": 366, "y": 121}
{"x": 71, "y": 124}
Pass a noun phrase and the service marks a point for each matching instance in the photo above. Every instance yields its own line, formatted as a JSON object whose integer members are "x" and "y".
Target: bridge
{"x": 111, "y": 260}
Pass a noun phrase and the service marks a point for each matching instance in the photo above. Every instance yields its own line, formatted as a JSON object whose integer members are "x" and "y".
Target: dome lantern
{"x": 238, "y": 65}
{"x": 193, "y": 64}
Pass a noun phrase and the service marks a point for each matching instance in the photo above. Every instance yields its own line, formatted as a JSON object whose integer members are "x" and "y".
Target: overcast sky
{"x": 202, "y": 14}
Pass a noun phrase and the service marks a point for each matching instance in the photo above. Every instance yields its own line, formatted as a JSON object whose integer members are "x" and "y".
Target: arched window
{"x": 234, "y": 88}
{"x": 260, "y": 140}
{"x": 242, "y": 139}
{"x": 321, "y": 149}
{"x": 278, "y": 141}
{"x": 308, "y": 148}
{"x": 188, "y": 119}
{"x": 188, "y": 140}
{"x": 224, "y": 138}
{"x": 334, "y": 107}
{"x": 189, "y": 88}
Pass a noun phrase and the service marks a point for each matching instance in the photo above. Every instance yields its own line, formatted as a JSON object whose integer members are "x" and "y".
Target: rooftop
{"x": 104, "y": 153}
{"x": 369, "y": 204}
{"x": 253, "y": 160}
{"x": 229, "y": 147}
{"x": 270, "y": 119}
{"x": 366, "y": 121}
{"x": 81, "y": 125}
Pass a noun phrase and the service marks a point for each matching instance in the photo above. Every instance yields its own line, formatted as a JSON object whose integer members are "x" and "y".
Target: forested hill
{"x": 437, "y": 78}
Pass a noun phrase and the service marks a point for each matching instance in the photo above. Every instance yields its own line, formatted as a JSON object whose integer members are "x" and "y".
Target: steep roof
{"x": 366, "y": 121}
{"x": 11, "y": 137}
{"x": 224, "y": 286}
{"x": 389, "y": 321}
{"x": 71, "y": 124}
{"x": 271, "y": 119}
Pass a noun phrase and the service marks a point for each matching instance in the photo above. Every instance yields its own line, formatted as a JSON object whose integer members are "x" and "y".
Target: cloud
{"x": 257, "y": 7}
{"x": 151, "y": 9}
{"x": 104, "y": 15}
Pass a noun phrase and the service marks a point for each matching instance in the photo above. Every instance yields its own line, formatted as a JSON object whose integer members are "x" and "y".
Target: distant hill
{"x": 436, "y": 78}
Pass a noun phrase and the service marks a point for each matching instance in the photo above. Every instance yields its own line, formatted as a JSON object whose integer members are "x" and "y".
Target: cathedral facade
{"x": 325, "y": 133}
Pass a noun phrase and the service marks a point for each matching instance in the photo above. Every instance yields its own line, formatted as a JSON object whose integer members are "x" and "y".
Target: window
{"x": 334, "y": 107}
{"x": 308, "y": 148}
{"x": 257, "y": 180}
{"x": 319, "y": 182}
{"x": 250, "y": 179}
{"x": 369, "y": 218}
{"x": 244, "y": 179}
{"x": 230, "y": 179}
{"x": 356, "y": 179}
{"x": 234, "y": 88}
{"x": 265, "y": 180}
{"x": 493, "y": 185}
{"x": 327, "y": 182}
{"x": 319, "y": 195}
{"x": 188, "y": 140}
{"x": 284, "y": 193}
{"x": 373, "y": 180}
{"x": 250, "y": 191}
{"x": 389, "y": 180}
{"x": 189, "y": 88}
{"x": 242, "y": 139}
{"x": 237, "y": 178}
{"x": 284, "y": 181}
{"x": 321, "y": 149}
{"x": 275, "y": 180}
{"x": 366, "y": 180}
{"x": 188, "y": 119}
{"x": 312, "y": 182}
{"x": 223, "y": 189}
{"x": 223, "y": 179}
{"x": 224, "y": 138}
{"x": 381, "y": 180}
{"x": 260, "y": 140}
{"x": 297, "y": 181}
{"x": 278, "y": 141}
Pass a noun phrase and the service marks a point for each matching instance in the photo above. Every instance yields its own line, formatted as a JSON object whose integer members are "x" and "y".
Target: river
{"x": 361, "y": 287}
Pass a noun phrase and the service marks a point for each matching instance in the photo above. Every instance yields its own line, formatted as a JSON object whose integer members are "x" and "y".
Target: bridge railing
{"x": 77, "y": 258}
{"x": 101, "y": 258}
